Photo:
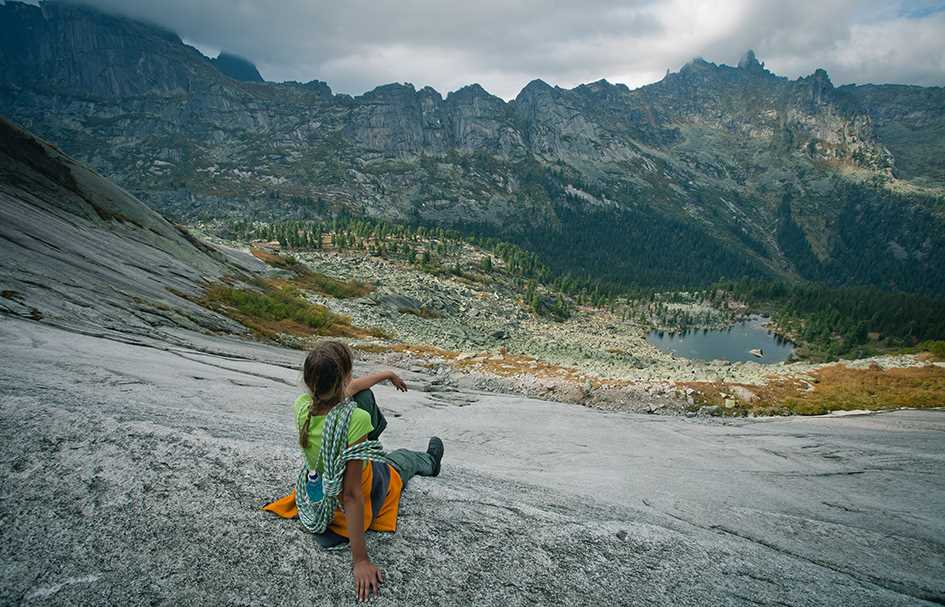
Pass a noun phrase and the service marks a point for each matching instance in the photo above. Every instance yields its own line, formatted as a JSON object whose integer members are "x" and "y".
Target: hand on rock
{"x": 367, "y": 580}
{"x": 398, "y": 383}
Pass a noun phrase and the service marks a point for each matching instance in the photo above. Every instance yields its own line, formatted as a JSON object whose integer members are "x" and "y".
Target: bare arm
{"x": 367, "y": 577}
{"x": 363, "y": 383}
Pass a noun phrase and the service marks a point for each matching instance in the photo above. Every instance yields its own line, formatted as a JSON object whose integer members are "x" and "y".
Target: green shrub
{"x": 936, "y": 348}
{"x": 274, "y": 305}
{"x": 332, "y": 287}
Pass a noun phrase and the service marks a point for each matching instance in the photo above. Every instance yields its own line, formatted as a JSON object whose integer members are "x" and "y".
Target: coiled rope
{"x": 334, "y": 454}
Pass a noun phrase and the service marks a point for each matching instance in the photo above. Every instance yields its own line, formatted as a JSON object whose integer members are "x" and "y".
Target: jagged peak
{"x": 319, "y": 85}
{"x": 601, "y": 86}
{"x": 237, "y": 67}
{"x": 749, "y": 61}
{"x": 471, "y": 90}
{"x": 475, "y": 86}
{"x": 603, "y": 83}
{"x": 391, "y": 88}
{"x": 820, "y": 77}
{"x": 429, "y": 91}
{"x": 535, "y": 87}
{"x": 697, "y": 63}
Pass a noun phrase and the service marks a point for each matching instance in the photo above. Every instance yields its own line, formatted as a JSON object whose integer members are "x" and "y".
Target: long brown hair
{"x": 325, "y": 370}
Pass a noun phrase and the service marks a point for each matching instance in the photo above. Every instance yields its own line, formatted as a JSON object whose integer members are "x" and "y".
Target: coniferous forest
{"x": 830, "y": 320}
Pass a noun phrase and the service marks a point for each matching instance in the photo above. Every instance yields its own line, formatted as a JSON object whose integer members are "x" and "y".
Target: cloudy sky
{"x": 356, "y": 45}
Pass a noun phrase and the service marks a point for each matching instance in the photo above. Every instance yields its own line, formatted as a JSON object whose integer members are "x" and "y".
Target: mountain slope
{"x": 77, "y": 251}
{"x": 910, "y": 122}
{"x": 597, "y": 177}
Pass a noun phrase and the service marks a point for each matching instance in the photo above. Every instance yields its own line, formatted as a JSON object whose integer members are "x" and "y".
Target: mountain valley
{"x": 715, "y": 172}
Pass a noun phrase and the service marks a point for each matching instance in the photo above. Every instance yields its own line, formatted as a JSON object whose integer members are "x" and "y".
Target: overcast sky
{"x": 356, "y": 45}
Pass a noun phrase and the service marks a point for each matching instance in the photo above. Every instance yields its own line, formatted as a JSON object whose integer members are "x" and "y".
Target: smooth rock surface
{"x": 77, "y": 250}
{"x": 134, "y": 473}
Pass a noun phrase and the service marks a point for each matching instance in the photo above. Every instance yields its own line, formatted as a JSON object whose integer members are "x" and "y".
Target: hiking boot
{"x": 435, "y": 449}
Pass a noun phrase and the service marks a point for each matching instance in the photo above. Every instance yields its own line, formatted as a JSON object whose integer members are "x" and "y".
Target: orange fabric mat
{"x": 284, "y": 506}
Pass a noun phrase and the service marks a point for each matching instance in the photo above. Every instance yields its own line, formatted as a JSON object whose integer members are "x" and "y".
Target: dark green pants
{"x": 408, "y": 463}
{"x": 411, "y": 463}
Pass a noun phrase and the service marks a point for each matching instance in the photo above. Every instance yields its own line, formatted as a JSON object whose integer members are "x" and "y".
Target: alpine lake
{"x": 747, "y": 340}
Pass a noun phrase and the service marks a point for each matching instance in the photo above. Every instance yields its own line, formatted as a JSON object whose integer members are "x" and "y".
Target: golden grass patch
{"x": 273, "y": 259}
{"x": 834, "y": 388}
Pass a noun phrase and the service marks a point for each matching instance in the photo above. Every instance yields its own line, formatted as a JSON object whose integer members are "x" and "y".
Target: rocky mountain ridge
{"x": 732, "y": 158}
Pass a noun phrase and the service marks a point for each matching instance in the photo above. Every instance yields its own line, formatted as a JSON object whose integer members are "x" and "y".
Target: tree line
{"x": 846, "y": 320}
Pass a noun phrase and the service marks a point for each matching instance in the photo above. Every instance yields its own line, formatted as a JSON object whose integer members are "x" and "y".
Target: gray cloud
{"x": 358, "y": 44}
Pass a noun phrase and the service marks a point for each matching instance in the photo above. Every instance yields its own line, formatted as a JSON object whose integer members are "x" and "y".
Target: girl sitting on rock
{"x": 344, "y": 465}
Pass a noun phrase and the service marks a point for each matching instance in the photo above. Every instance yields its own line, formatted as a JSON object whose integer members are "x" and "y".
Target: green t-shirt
{"x": 359, "y": 426}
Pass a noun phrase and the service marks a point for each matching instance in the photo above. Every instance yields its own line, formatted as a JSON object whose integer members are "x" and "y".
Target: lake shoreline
{"x": 735, "y": 343}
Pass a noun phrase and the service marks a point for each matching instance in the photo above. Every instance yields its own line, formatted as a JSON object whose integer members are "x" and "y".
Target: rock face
{"x": 236, "y": 67}
{"x": 910, "y": 121}
{"x": 61, "y": 46}
{"x": 712, "y": 148}
{"x": 77, "y": 250}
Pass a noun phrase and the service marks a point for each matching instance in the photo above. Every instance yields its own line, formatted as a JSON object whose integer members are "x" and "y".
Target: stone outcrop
{"x": 76, "y": 250}
{"x": 236, "y": 67}
{"x": 67, "y": 47}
